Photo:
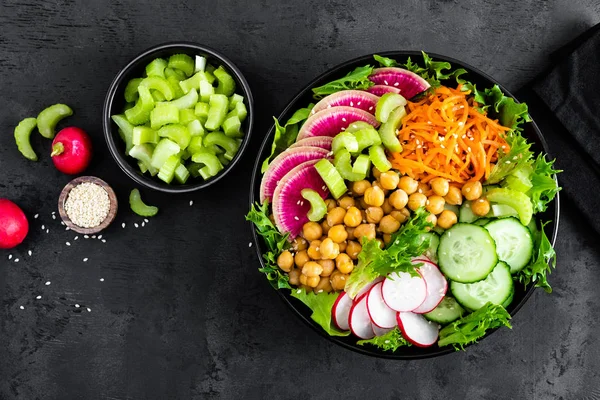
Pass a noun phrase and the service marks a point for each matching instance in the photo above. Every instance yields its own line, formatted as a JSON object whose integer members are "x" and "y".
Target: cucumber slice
{"x": 22, "y": 137}
{"x": 143, "y": 134}
{"x": 163, "y": 150}
{"x": 452, "y": 207}
{"x": 131, "y": 90}
{"x": 216, "y": 112}
{"x": 378, "y": 158}
{"x": 496, "y": 288}
{"x": 466, "y": 214}
{"x": 318, "y": 207}
{"x": 467, "y": 253}
{"x": 182, "y": 62}
{"x": 447, "y": 311}
{"x": 139, "y": 207}
{"x": 331, "y": 177}
{"x": 482, "y": 221}
{"x": 514, "y": 242}
{"x": 386, "y": 104}
{"x": 156, "y": 68}
{"x": 50, "y": 117}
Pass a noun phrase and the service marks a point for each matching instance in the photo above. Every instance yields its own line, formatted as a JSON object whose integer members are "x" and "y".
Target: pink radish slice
{"x": 324, "y": 142}
{"x": 380, "y": 331}
{"x": 403, "y": 292}
{"x": 417, "y": 330}
{"x": 283, "y": 163}
{"x": 437, "y": 285}
{"x": 381, "y": 315}
{"x": 380, "y": 90}
{"x": 351, "y": 98}
{"x": 368, "y": 286}
{"x": 289, "y": 207}
{"x": 409, "y": 83}
{"x": 359, "y": 320}
{"x": 334, "y": 120}
{"x": 341, "y": 311}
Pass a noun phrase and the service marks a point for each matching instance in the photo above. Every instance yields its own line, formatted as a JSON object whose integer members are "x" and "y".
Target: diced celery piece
{"x": 209, "y": 69}
{"x": 131, "y": 90}
{"x": 177, "y": 133}
{"x": 182, "y": 62}
{"x": 175, "y": 73}
{"x": 188, "y": 100}
{"x": 343, "y": 163}
{"x": 22, "y": 138}
{"x": 126, "y": 129}
{"x": 201, "y": 111}
{"x": 128, "y": 106}
{"x": 318, "y": 207}
{"x": 194, "y": 169}
{"x": 331, "y": 177}
{"x": 379, "y": 159}
{"x": 160, "y": 84}
{"x": 206, "y": 90}
{"x": 156, "y": 68}
{"x": 239, "y": 111}
{"x": 223, "y": 159}
{"x": 517, "y": 200}
{"x": 167, "y": 171}
{"x": 361, "y": 165}
{"x": 230, "y": 145}
{"x": 139, "y": 207}
{"x": 182, "y": 174}
{"x": 177, "y": 92}
{"x": 226, "y": 82}
{"x": 143, "y": 153}
{"x": 143, "y": 134}
{"x": 200, "y": 64}
{"x": 217, "y": 111}
{"x": 231, "y": 127}
{"x": 140, "y": 113}
{"x": 163, "y": 150}
{"x": 386, "y": 104}
{"x": 212, "y": 165}
{"x": 344, "y": 140}
{"x": 191, "y": 83}
{"x": 186, "y": 116}
{"x": 142, "y": 167}
{"x": 50, "y": 116}
{"x": 233, "y": 100}
{"x": 164, "y": 114}
{"x": 388, "y": 129}
{"x": 157, "y": 96}
{"x": 195, "y": 128}
{"x": 366, "y": 137}
{"x": 196, "y": 144}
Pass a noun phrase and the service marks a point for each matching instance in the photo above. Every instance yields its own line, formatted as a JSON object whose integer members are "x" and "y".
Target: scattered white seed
{"x": 36, "y": 216}
{"x": 101, "y": 279}
{"x": 358, "y": 104}
{"x": 76, "y": 305}
{"x": 136, "y": 225}
{"x": 86, "y": 237}
{"x": 48, "y": 230}
{"x": 87, "y": 205}
{"x": 250, "y": 244}
{"x": 370, "y": 108}
{"x": 386, "y": 82}
{"x": 43, "y": 227}
{"x": 89, "y": 309}
{"x": 38, "y": 297}
{"x": 146, "y": 220}
{"x": 296, "y": 218}
{"x": 191, "y": 203}
{"x": 53, "y": 216}
{"x": 48, "y": 283}
{"x": 93, "y": 236}
{"x": 10, "y": 256}
{"x": 396, "y": 83}
{"x": 507, "y": 162}
{"x": 143, "y": 224}
{"x": 16, "y": 260}
{"x": 67, "y": 229}
{"x": 62, "y": 222}
{"x": 103, "y": 240}
{"x": 85, "y": 259}
{"x": 123, "y": 225}
{"x": 343, "y": 119}
{"x": 21, "y": 307}
{"x": 68, "y": 243}
{"x": 76, "y": 237}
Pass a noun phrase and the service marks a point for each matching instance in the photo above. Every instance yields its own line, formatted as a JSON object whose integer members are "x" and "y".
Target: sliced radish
{"x": 324, "y": 142}
{"x": 381, "y": 331}
{"x": 341, "y": 311}
{"x": 408, "y": 82}
{"x": 380, "y": 90}
{"x": 368, "y": 287}
{"x": 351, "y": 98}
{"x": 332, "y": 121}
{"x": 359, "y": 320}
{"x": 417, "y": 330}
{"x": 403, "y": 292}
{"x": 437, "y": 285}
{"x": 381, "y": 315}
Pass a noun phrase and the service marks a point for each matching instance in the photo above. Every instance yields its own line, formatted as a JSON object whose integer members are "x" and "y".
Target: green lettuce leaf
{"x": 518, "y": 156}
{"x": 275, "y": 241}
{"x": 357, "y": 79}
{"x": 474, "y": 326}
{"x": 321, "y": 305}
{"x": 385, "y": 61}
{"x": 543, "y": 186}
{"x": 544, "y": 259}
{"x": 391, "y": 341}
{"x": 434, "y": 71}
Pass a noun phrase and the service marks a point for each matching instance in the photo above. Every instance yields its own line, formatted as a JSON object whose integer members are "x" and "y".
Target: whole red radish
{"x": 13, "y": 224}
{"x": 71, "y": 150}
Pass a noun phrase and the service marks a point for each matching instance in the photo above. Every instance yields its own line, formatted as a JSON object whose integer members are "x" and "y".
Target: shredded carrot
{"x": 443, "y": 135}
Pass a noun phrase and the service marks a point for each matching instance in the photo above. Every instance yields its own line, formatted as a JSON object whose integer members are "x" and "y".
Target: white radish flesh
{"x": 417, "y": 330}
{"x": 368, "y": 287}
{"x": 380, "y": 331}
{"x": 381, "y": 315}
{"x": 341, "y": 311}
{"x": 437, "y": 285}
{"x": 404, "y": 292}
{"x": 359, "y": 320}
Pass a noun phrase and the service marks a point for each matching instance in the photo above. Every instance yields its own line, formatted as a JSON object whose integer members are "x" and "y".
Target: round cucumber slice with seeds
{"x": 514, "y": 243}
{"x": 447, "y": 311}
{"x": 496, "y": 288}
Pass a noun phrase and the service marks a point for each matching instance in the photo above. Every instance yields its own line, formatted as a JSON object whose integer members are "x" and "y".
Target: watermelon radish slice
{"x": 334, "y": 120}
{"x": 283, "y": 163}
{"x": 289, "y": 207}
{"x": 381, "y": 315}
{"x": 341, "y": 310}
{"x": 403, "y": 292}
{"x": 417, "y": 330}
{"x": 437, "y": 285}
{"x": 380, "y": 90}
{"x": 380, "y": 331}
{"x": 323, "y": 142}
{"x": 409, "y": 83}
{"x": 351, "y": 98}
{"x": 359, "y": 320}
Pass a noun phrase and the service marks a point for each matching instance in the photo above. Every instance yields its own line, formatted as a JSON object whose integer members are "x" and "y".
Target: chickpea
{"x": 374, "y": 196}
{"x": 435, "y": 204}
{"x": 454, "y": 196}
{"x": 359, "y": 187}
{"x": 389, "y": 180}
{"x": 313, "y": 281}
{"x": 480, "y": 207}
{"x": 446, "y": 219}
{"x": 299, "y": 244}
{"x": 312, "y": 231}
{"x": 389, "y": 224}
{"x": 328, "y": 267}
{"x": 399, "y": 215}
{"x": 374, "y": 214}
{"x": 294, "y": 277}
{"x": 440, "y": 186}
{"x": 336, "y": 216}
{"x": 324, "y": 285}
{"x": 387, "y": 238}
{"x": 361, "y": 203}
{"x": 312, "y": 268}
{"x": 346, "y": 202}
{"x": 314, "y": 250}
{"x": 344, "y": 263}
{"x": 350, "y": 231}
{"x": 408, "y": 184}
{"x": 387, "y": 206}
{"x": 285, "y": 261}
{"x": 325, "y": 226}
{"x": 329, "y": 249}
{"x": 472, "y": 190}
{"x": 423, "y": 188}
{"x": 376, "y": 173}
{"x": 343, "y": 246}
{"x": 353, "y": 217}
{"x": 338, "y": 280}
{"x": 301, "y": 258}
{"x": 353, "y": 248}
{"x": 365, "y": 230}
{"x": 433, "y": 219}
{"x": 406, "y": 212}
{"x": 363, "y": 216}
{"x": 338, "y": 233}
{"x": 416, "y": 200}
{"x": 331, "y": 204}
{"x": 398, "y": 199}
{"x": 303, "y": 279}
{"x": 378, "y": 184}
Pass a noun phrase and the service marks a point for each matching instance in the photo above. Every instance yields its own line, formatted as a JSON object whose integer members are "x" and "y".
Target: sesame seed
{"x": 143, "y": 224}
{"x": 43, "y": 227}
{"x": 53, "y": 216}
{"x": 93, "y": 236}
{"x": 386, "y": 341}
{"x": 103, "y": 240}
{"x": 351, "y": 104}
{"x": 123, "y": 225}
{"x": 89, "y": 309}
{"x": 101, "y": 279}
{"x": 38, "y": 297}
{"x": 191, "y": 203}
{"x": 62, "y": 223}
{"x": 21, "y": 307}
{"x": 9, "y": 256}
{"x": 343, "y": 119}
{"x": 76, "y": 305}
{"x": 99, "y": 236}
{"x": 507, "y": 162}
{"x": 296, "y": 218}
{"x": 67, "y": 229}
{"x": 85, "y": 259}
{"x": 358, "y": 104}
{"x": 86, "y": 237}
{"x": 442, "y": 146}
{"x": 396, "y": 83}
{"x": 136, "y": 225}
{"x": 250, "y": 244}
{"x": 48, "y": 283}
{"x": 36, "y": 216}
{"x": 328, "y": 105}
{"x": 76, "y": 237}
{"x": 68, "y": 244}
{"x": 370, "y": 108}
{"x": 384, "y": 81}
{"x": 16, "y": 260}
{"x": 87, "y": 205}
{"x": 146, "y": 220}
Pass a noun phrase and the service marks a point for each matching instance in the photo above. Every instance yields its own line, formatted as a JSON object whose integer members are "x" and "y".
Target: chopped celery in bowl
{"x": 178, "y": 117}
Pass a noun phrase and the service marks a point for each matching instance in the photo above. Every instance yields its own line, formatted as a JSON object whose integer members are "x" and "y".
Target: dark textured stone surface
{"x": 182, "y": 312}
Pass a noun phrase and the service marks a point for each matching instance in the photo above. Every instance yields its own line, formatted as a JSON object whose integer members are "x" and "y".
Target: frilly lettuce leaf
{"x": 321, "y": 305}
{"x": 356, "y": 79}
{"x": 542, "y": 263}
{"x": 391, "y": 341}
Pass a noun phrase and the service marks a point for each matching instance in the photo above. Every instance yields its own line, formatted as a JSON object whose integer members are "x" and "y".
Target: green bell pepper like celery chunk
{"x": 230, "y": 145}
{"x": 182, "y": 174}
{"x": 139, "y": 207}
{"x": 226, "y": 84}
{"x": 125, "y": 129}
{"x": 515, "y": 199}
{"x": 231, "y": 127}
{"x": 234, "y": 100}
{"x": 192, "y": 82}
{"x": 199, "y": 63}
{"x": 362, "y": 165}
{"x": 142, "y": 167}
{"x": 131, "y": 90}
{"x": 367, "y": 137}
{"x": 156, "y": 68}
{"x": 331, "y": 177}
{"x": 212, "y": 165}
{"x": 217, "y": 111}
{"x": 177, "y": 133}
{"x": 344, "y": 140}
{"x": 357, "y": 126}
{"x": 164, "y": 114}
{"x": 143, "y": 153}
{"x": 140, "y": 113}
{"x": 157, "y": 96}
{"x": 318, "y": 207}
{"x": 143, "y": 134}
{"x": 379, "y": 159}
{"x": 182, "y": 62}
{"x": 206, "y": 90}
{"x": 22, "y": 138}
{"x": 239, "y": 111}
{"x": 50, "y": 117}
{"x": 388, "y": 129}
{"x": 175, "y": 73}
{"x": 186, "y": 116}
{"x": 163, "y": 150}
{"x": 196, "y": 145}
{"x": 343, "y": 163}
{"x": 386, "y": 104}
{"x": 166, "y": 173}
{"x": 188, "y": 100}
{"x": 160, "y": 84}
{"x": 195, "y": 128}
{"x": 174, "y": 83}
{"x": 201, "y": 111}
{"x": 223, "y": 159}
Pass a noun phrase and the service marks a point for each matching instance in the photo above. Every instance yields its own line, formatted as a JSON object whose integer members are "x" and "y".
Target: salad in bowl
{"x": 405, "y": 207}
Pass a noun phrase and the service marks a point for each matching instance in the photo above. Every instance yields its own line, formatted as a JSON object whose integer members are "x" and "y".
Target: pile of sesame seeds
{"x": 87, "y": 205}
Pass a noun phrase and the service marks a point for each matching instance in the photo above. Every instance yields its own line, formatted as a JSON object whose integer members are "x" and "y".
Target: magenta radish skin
{"x": 359, "y": 320}
{"x": 323, "y": 142}
{"x": 283, "y": 163}
{"x": 437, "y": 286}
{"x": 403, "y": 292}
{"x": 352, "y": 98}
{"x": 13, "y": 224}
{"x": 381, "y": 315}
{"x": 289, "y": 207}
{"x": 417, "y": 330}
{"x": 380, "y": 90}
{"x": 334, "y": 120}
{"x": 341, "y": 311}
{"x": 409, "y": 83}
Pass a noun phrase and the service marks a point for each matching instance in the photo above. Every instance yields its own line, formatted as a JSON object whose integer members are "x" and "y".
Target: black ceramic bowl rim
{"x": 256, "y": 176}
{"x": 114, "y": 146}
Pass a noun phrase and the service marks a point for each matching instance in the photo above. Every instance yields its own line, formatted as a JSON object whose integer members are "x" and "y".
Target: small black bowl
{"x": 114, "y": 103}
